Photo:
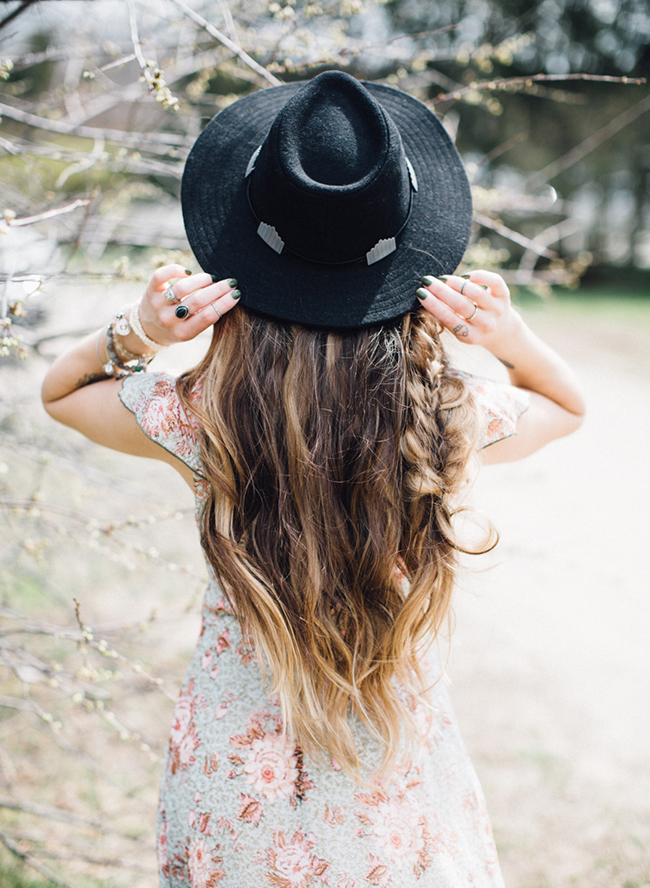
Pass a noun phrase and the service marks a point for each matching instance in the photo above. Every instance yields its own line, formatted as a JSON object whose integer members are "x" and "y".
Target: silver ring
{"x": 170, "y": 296}
{"x": 465, "y": 283}
{"x": 217, "y": 310}
{"x": 473, "y": 314}
{"x": 182, "y": 312}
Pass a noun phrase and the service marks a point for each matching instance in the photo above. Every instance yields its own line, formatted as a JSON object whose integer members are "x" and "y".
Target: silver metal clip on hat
{"x": 384, "y": 246}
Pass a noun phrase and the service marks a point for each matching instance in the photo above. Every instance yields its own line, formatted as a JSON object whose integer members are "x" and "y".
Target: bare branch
{"x": 232, "y": 46}
{"x": 513, "y": 236}
{"x": 31, "y": 861}
{"x": 63, "y": 816}
{"x": 550, "y": 236}
{"x": 489, "y": 85}
{"x": 594, "y": 141}
{"x": 16, "y": 12}
{"x": 134, "y": 140}
{"x": 49, "y": 214}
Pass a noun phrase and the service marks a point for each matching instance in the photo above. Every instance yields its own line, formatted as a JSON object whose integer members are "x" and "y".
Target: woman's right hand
{"x": 206, "y": 300}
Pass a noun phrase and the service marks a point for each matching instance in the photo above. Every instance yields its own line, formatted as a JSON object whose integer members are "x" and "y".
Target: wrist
{"x": 508, "y": 336}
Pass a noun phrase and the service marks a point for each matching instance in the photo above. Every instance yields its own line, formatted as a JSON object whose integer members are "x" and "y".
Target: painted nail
{"x": 232, "y": 282}
{"x": 465, "y": 275}
{"x": 443, "y": 278}
{"x": 236, "y": 294}
{"x": 421, "y": 293}
{"x": 427, "y": 280}
{"x": 187, "y": 271}
{"x": 215, "y": 278}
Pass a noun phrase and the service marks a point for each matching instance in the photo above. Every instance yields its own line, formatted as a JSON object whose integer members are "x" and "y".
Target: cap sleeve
{"x": 500, "y": 405}
{"x": 153, "y": 400}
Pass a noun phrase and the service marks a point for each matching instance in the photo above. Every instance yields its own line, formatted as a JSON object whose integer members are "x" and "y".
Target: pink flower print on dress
{"x": 183, "y": 713}
{"x": 211, "y": 764}
{"x": 201, "y": 865}
{"x": 292, "y": 865}
{"x": 207, "y": 664}
{"x": 251, "y": 809}
{"x": 400, "y": 831}
{"x": 187, "y": 747}
{"x": 165, "y": 418}
{"x": 334, "y": 816}
{"x": 271, "y": 767}
{"x": 223, "y": 642}
{"x": 162, "y": 844}
{"x": 378, "y": 873}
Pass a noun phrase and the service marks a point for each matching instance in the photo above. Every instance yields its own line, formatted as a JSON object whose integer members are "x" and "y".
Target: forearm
{"x": 534, "y": 365}
{"x": 81, "y": 365}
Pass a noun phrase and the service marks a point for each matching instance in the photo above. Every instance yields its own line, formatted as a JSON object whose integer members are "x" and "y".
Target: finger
{"x": 461, "y": 296}
{"x": 207, "y": 315}
{"x": 449, "y": 319}
{"x": 495, "y": 283}
{"x": 186, "y": 286}
{"x": 161, "y": 276}
{"x": 204, "y": 295}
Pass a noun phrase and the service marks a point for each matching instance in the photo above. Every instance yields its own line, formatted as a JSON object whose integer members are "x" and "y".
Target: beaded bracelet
{"x": 135, "y": 324}
{"x": 114, "y": 366}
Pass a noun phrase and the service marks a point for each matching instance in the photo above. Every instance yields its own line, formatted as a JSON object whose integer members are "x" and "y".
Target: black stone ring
{"x": 182, "y": 312}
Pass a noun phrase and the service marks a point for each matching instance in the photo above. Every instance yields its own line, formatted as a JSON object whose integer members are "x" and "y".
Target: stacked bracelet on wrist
{"x": 135, "y": 324}
{"x": 120, "y": 361}
{"x": 120, "y": 365}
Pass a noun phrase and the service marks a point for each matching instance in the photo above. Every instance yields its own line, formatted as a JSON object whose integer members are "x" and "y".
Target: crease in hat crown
{"x": 331, "y": 182}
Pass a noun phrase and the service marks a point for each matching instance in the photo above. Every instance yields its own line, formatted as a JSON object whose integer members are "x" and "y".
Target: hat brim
{"x": 222, "y": 230}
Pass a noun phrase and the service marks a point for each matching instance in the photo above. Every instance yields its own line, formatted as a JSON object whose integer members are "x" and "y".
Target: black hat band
{"x": 384, "y": 246}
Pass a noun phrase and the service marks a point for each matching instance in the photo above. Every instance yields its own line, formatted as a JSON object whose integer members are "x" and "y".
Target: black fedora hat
{"x": 327, "y": 200}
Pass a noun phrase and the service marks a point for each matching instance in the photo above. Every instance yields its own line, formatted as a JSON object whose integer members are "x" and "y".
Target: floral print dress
{"x": 241, "y": 807}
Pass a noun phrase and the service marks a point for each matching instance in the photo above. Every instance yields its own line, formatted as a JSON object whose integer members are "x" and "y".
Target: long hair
{"x": 334, "y": 459}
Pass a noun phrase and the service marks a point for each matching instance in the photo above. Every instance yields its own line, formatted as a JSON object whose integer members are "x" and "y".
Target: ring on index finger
{"x": 170, "y": 296}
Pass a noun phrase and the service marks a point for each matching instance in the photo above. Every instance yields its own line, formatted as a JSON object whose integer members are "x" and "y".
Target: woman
{"x": 327, "y": 440}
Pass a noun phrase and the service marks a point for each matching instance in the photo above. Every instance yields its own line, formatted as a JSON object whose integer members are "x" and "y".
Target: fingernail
{"x": 427, "y": 280}
{"x": 443, "y": 277}
{"x": 232, "y": 282}
{"x": 464, "y": 275}
{"x": 236, "y": 294}
{"x": 421, "y": 293}
{"x": 214, "y": 278}
{"x": 187, "y": 271}
{"x": 485, "y": 286}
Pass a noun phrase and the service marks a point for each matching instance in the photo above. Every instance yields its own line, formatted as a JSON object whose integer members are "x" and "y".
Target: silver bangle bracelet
{"x": 136, "y": 326}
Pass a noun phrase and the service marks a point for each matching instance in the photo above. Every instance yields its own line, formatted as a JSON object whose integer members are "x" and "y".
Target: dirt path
{"x": 550, "y": 667}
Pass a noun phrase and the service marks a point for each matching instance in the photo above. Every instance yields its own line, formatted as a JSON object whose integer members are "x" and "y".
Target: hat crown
{"x": 331, "y": 178}
{"x": 336, "y": 136}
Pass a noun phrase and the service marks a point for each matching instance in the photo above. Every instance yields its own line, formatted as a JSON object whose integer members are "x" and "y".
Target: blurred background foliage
{"x": 100, "y": 102}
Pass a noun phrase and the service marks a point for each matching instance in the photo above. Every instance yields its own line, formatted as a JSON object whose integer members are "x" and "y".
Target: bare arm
{"x": 77, "y": 391}
{"x": 482, "y": 315}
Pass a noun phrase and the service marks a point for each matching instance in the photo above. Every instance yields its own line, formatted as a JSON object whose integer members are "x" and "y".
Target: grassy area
{"x": 597, "y": 305}
{"x": 18, "y": 876}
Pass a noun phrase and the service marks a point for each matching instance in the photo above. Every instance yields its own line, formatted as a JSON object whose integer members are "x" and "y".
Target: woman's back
{"x": 240, "y": 801}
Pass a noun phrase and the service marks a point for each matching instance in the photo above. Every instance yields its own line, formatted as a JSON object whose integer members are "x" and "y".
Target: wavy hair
{"x": 334, "y": 459}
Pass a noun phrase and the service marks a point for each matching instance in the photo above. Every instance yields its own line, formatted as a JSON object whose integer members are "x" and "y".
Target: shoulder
{"x": 499, "y": 404}
{"x": 153, "y": 399}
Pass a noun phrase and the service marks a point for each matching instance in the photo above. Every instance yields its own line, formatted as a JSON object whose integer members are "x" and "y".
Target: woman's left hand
{"x": 475, "y": 308}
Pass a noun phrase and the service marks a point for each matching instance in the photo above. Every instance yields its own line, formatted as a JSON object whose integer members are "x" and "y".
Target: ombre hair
{"x": 334, "y": 461}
